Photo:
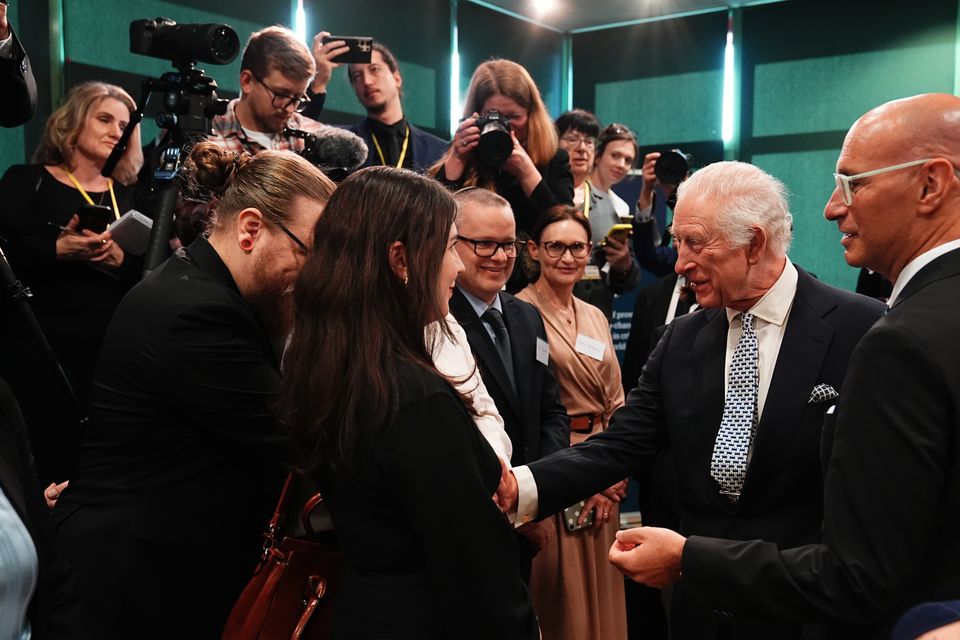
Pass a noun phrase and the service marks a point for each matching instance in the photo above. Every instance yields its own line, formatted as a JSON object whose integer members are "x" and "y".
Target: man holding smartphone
{"x": 378, "y": 85}
{"x": 19, "y": 88}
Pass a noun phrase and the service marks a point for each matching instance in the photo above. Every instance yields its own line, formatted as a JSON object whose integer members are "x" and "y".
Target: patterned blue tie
{"x": 728, "y": 466}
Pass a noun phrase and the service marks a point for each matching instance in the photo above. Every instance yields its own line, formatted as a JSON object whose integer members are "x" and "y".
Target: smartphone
{"x": 570, "y": 515}
{"x": 619, "y": 231}
{"x": 95, "y": 217}
{"x": 361, "y": 49}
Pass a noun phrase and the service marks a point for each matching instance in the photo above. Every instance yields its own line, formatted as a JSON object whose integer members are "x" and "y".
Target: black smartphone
{"x": 95, "y": 217}
{"x": 361, "y": 49}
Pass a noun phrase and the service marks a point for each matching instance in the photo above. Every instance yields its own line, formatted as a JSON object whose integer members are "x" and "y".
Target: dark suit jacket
{"x": 176, "y": 480}
{"x": 533, "y": 417}
{"x": 678, "y": 404}
{"x": 19, "y": 88}
{"x": 892, "y": 494}
{"x": 55, "y": 610}
{"x": 426, "y": 147}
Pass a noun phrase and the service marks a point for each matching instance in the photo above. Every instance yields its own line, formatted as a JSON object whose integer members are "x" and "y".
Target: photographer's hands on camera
{"x": 649, "y": 180}
{"x": 518, "y": 164}
{"x": 323, "y": 55}
{"x": 87, "y": 246}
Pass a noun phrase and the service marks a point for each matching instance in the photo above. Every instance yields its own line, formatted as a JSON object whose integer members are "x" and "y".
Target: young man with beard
{"x": 182, "y": 460}
{"x": 390, "y": 138}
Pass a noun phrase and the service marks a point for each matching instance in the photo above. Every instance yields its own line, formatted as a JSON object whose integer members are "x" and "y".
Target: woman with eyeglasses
{"x": 535, "y": 174}
{"x": 576, "y": 592}
{"x": 578, "y": 130}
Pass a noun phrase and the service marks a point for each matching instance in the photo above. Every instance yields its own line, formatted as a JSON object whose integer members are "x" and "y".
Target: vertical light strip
{"x": 300, "y": 21}
{"x": 57, "y": 52}
{"x": 455, "y": 108}
{"x": 566, "y": 71}
{"x": 728, "y": 76}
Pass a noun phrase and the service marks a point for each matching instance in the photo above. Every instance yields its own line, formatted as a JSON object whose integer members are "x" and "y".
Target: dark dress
{"x": 73, "y": 302}
{"x": 428, "y": 554}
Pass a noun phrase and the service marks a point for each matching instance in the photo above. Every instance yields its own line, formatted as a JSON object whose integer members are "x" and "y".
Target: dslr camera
{"x": 496, "y": 143}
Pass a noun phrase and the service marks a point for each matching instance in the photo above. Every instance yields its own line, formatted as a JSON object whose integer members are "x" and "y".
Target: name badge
{"x": 543, "y": 352}
{"x": 591, "y": 272}
{"x": 590, "y": 347}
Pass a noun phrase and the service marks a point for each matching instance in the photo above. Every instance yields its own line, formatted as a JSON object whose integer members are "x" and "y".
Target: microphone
{"x": 331, "y": 148}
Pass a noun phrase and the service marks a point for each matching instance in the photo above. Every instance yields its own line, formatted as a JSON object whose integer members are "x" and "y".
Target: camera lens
{"x": 671, "y": 168}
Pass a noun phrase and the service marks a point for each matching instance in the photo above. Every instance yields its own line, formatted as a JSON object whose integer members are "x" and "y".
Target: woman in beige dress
{"x": 576, "y": 592}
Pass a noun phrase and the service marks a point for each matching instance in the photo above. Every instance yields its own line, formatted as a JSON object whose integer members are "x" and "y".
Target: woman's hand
{"x": 465, "y": 140}
{"x": 617, "y": 252}
{"x": 112, "y": 257}
{"x": 604, "y": 507}
{"x": 82, "y": 245}
{"x": 521, "y": 167}
{"x": 617, "y": 492}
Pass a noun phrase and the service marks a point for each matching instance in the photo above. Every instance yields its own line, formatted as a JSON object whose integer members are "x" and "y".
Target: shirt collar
{"x": 775, "y": 304}
{"x": 479, "y": 306}
{"x": 914, "y": 266}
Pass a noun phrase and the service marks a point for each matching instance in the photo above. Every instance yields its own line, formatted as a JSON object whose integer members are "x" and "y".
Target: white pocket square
{"x": 823, "y": 392}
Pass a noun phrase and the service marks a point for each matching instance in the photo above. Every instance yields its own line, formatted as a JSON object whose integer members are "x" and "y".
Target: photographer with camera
{"x": 16, "y": 77}
{"x": 276, "y": 69}
{"x": 611, "y": 269}
{"x": 508, "y": 144}
{"x": 662, "y": 174}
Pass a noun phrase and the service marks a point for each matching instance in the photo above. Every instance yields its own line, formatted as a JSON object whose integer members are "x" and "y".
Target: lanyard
{"x": 113, "y": 197}
{"x": 586, "y": 199}
{"x": 403, "y": 150}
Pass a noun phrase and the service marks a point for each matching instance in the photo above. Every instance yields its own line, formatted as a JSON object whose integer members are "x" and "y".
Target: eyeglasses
{"x": 291, "y": 235}
{"x": 489, "y": 248}
{"x": 556, "y": 249}
{"x": 282, "y": 100}
{"x": 843, "y": 182}
{"x": 575, "y": 141}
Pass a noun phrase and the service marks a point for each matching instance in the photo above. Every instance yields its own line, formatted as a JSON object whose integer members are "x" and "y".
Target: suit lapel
{"x": 523, "y": 346}
{"x": 804, "y": 347}
{"x": 483, "y": 347}
{"x": 944, "y": 266}
{"x": 706, "y": 363}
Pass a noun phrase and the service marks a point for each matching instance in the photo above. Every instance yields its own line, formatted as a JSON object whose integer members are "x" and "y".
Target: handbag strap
{"x": 270, "y": 537}
{"x": 314, "y": 502}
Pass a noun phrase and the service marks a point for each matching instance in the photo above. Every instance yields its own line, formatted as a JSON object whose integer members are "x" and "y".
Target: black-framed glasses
{"x": 573, "y": 141}
{"x": 291, "y": 235}
{"x": 556, "y": 249}
{"x": 489, "y": 248}
{"x": 282, "y": 100}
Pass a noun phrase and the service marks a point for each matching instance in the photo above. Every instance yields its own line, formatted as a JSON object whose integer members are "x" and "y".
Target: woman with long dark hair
{"x": 407, "y": 476}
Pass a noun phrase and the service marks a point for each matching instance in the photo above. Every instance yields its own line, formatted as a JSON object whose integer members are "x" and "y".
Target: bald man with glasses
{"x": 892, "y": 443}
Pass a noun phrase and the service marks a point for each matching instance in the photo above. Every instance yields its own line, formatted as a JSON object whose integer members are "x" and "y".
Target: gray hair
{"x": 742, "y": 196}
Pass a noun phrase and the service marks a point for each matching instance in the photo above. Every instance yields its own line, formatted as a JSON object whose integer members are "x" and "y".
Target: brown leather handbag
{"x": 290, "y": 596}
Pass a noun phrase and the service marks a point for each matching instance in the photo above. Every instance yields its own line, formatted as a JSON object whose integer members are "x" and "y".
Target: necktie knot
{"x": 746, "y": 320}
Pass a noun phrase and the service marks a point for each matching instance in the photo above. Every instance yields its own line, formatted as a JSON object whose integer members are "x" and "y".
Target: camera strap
{"x": 403, "y": 149}
{"x": 86, "y": 196}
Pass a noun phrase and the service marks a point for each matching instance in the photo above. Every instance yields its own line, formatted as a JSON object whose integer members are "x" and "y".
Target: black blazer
{"x": 176, "y": 478}
{"x": 54, "y": 610}
{"x": 19, "y": 87}
{"x": 428, "y": 554}
{"x": 892, "y": 495}
{"x": 678, "y": 405}
{"x": 427, "y": 148}
{"x": 533, "y": 416}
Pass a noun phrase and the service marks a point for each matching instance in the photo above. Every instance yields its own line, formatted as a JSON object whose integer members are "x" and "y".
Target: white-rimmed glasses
{"x": 843, "y": 182}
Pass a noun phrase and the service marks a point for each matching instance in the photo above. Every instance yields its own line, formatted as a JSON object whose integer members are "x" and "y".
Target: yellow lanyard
{"x": 113, "y": 197}
{"x": 403, "y": 149}
{"x": 586, "y": 199}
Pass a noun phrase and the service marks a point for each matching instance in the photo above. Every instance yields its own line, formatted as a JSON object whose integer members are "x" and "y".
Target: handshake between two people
{"x": 649, "y": 555}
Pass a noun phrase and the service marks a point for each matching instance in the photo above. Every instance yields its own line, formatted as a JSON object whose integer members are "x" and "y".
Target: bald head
{"x": 909, "y": 202}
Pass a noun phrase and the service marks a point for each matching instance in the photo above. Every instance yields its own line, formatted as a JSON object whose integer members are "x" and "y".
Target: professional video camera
{"x": 496, "y": 143}
{"x": 189, "y": 104}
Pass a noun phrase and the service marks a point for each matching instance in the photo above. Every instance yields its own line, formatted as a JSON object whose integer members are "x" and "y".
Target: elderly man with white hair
{"x": 736, "y": 392}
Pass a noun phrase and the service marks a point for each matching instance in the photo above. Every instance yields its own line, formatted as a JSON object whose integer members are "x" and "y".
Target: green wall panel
{"x": 641, "y": 105}
{"x": 816, "y": 242}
